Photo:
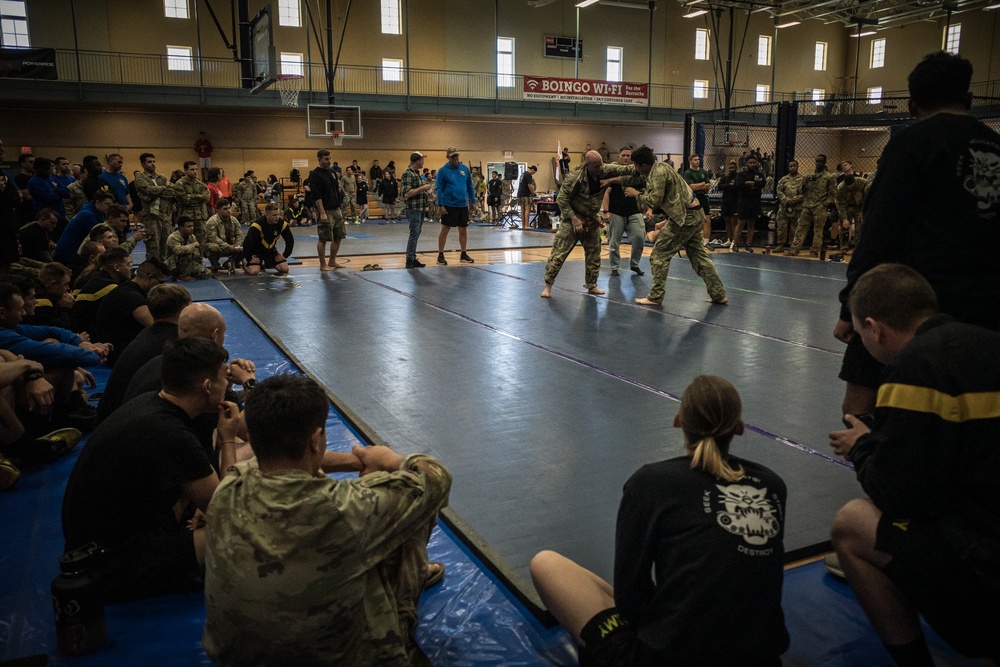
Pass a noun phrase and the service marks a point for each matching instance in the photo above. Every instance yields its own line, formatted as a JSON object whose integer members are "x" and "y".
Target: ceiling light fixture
{"x": 694, "y": 13}
{"x": 867, "y": 33}
{"x": 788, "y": 24}
{"x": 586, "y": 3}
{"x": 995, "y": 5}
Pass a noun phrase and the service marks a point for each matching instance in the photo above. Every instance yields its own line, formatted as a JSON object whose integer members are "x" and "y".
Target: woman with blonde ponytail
{"x": 698, "y": 556}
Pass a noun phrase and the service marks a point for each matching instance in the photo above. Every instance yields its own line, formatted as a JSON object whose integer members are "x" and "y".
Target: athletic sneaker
{"x": 833, "y": 566}
{"x": 414, "y": 264}
{"x": 441, "y": 259}
{"x": 465, "y": 258}
{"x": 9, "y": 473}
{"x": 58, "y": 443}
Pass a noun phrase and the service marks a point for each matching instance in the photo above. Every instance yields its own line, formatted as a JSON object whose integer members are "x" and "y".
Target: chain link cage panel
{"x": 720, "y": 136}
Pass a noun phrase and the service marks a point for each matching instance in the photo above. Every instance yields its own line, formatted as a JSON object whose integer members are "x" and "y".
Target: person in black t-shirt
{"x": 709, "y": 527}
{"x": 525, "y": 192}
{"x": 143, "y": 470}
{"x": 935, "y": 189}
{"x": 36, "y": 237}
{"x": 123, "y": 313}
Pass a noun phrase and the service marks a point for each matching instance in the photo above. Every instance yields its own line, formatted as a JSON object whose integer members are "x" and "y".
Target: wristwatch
{"x": 32, "y": 376}
{"x": 249, "y": 384}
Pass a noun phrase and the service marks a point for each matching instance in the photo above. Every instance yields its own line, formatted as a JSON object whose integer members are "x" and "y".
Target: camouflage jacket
{"x": 223, "y": 232}
{"x": 303, "y": 569}
{"x": 851, "y": 196}
{"x": 665, "y": 190}
{"x": 576, "y": 197}
{"x": 156, "y": 194}
{"x": 819, "y": 188}
{"x": 77, "y": 198}
{"x": 192, "y": 198}
{"x": 790, "y": 187}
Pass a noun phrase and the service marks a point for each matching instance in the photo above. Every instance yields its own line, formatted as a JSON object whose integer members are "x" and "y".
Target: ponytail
{"x": 705, "y": 456}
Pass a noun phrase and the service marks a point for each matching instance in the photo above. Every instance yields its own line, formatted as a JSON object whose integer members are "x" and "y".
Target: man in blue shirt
{"x": 46, "y": 191}
{"x": 454, "y": 193}
{"x": 91, "y": 214}
{"x": 116, "y": 182}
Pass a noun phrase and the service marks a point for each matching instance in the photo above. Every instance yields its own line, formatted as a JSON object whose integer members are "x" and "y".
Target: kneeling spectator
{"x": 305, "y": 569}
{"x": 184, "y": 257}
{"x": 927, "y": 538}
{"x": 53, "y": 301}
{"x": 224, "y": 238}
{"x": 260, "y": 245}
{"x": 698, "y": 544}
{"x": 144, "y": 467}
{"x": 123, "y": 313}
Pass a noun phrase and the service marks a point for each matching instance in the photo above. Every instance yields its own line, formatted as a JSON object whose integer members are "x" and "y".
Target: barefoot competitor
{"x": 666, "y": 191}
{"x": 579, "y": 203}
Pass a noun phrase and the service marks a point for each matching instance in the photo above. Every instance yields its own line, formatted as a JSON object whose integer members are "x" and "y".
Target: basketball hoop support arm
{"x": 222, "y": 33}
{"x": 331, "y": 96}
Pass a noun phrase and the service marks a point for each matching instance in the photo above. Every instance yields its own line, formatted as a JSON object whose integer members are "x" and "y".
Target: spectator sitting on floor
{"x": 90, "y": 255}
{"x": 199, "y": 320}
{"x": 926, "y": 540}
{"x": 698, "y": 543}
{"x": 104, "y": 236}
{"x": 90, "y": 214}
{"x": 292, "y": 555}
{"x": 60, "y": 352}
{"x": 144, "y": 467}
{"x": 36, "y": 237}
{"x": 114, "y": 268}
{"x": 296, "y": 215}
{"x": 53, "y": 301}
{"x": 117, "y": 220}
{"x": 165, "y": 303}
{"x": 123, "y": 313}
{"x": 184, "y": 257}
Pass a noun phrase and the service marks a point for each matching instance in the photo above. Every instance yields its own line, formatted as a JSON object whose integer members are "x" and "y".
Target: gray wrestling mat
{"x": 542, "y": 409}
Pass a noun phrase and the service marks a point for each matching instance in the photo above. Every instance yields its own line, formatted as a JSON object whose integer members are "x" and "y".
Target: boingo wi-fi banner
{"x": 587, "y": 91}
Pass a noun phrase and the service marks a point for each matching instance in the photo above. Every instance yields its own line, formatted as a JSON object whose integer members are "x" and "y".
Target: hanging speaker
{"x": 510, "y": 171}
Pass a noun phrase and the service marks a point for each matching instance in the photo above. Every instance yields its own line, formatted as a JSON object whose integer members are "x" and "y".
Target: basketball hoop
{"x": 338, "y": 137}
{"x": 289, "y": 85}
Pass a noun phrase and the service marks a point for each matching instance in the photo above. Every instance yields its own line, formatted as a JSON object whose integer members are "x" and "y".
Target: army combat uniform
{"x": 580, "y": 195}
{"x": 192, "y": 199}
{"x": 183, "y": 257}
{"x": 789, "y": 207}
{"x": 667, "y": 191}
{"x": 245, "y": 198}
{"x": 308, "y": 570}
{"x": 157, "y": 196}
{"x": 223, "y": 233}
{"x": 818, "y": 190}
{"x": 850, "y": 201}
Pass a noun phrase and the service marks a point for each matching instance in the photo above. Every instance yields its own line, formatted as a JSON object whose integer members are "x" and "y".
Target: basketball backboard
{"x": 262, "y": 53}
{"x": 322, "y": 119}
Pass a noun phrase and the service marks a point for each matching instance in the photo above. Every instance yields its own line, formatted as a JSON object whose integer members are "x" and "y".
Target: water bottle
{"x": 78, "y": 603}
{"x": 822, "y": 253}
{"x": 767, "y": 250}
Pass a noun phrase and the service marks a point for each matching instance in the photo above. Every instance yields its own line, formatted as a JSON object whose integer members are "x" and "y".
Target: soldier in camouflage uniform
{"x": 156, "y": 195}
{"x": 818, "y": 191}
{"x": 579, "y": 200}
{"x": 192, "y": 199}
{"x": 789, "y": 203}
{"x": 225, "y": 237}
{"x": 245, "y": 197}
{"x": 851, "y": 193}
{"x": 301, "y": 568}
{"x": 668, "y": 192}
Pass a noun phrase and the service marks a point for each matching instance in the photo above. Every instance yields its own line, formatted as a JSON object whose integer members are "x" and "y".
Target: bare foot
{"x": 595, "y": 290}
{"x": 646, "y": 302}
{"x": 324, "y": 267}
{"x": 335, "y": 265}
{"x": 723, "y": 301}
{"x": 547, "y": 292}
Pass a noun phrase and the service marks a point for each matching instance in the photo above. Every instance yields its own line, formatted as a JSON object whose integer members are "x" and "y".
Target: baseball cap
{"x": 533, "y": 168}
{"x": 415, "y": 155}
{"x": 451, "y": 151}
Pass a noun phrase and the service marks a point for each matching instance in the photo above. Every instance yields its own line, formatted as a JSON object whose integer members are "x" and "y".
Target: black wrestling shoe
{"x": 441, "y": 259}
{"x": 465, "y": 258}
{"x": 637, "y": 271}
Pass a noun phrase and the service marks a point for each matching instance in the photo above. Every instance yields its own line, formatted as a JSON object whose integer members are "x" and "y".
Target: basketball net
{"x": 289, "y": 85}
{"x": 338, "y": 137}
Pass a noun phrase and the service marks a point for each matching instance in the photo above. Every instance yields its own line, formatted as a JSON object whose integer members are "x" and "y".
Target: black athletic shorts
{"x": 859, "y": 366}
{"x": 749, "y": 211}
{"x": 729, "y": 209}
{"x": 609, "y": 641}
{"x": 952, "y": 578}
{"x": 268, "y": 260}
{"x": 455, "y": 216}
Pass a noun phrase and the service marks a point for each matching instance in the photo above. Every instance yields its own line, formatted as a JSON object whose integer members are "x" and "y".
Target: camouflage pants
{"x": 157, "y": 231}
{"x": 216, "y": 251}
{"x": 786, "y": 215}
{"x": 350, "y": 202}
{"x": 187, "y": 265}
{"x": 853, "y": 217}
{"x": 817, "y": 217}
{"x": 672, "y": 239}
{"x": 566, "y": 239}
{"x": 248, "y": 211}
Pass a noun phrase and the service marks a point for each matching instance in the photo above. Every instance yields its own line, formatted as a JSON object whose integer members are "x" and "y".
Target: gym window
{"x": 392, "y": 70}
{"x": 614, "y": 63}
{"x": 700, "y": 89}
{"x": 179, "y": 59}
{"x": 819, "y": 63}
{"x": 291, "y": 63}
{"x": 289, "y": 13}
{"x": 390, "y": 18}
{"x": 764, "y": 50}
{"x": 952, "y": 36}
{"x": 878, "y": 53}
{"x": 176, "y": 9}
{"x": 701, "y": 43}
{"x": 505, "y": 62}
{"x": 875, "y": 95}
{"x": 14, "y": 24}
{"x": 818, "y": 94}
{"x": 763, "y": 92}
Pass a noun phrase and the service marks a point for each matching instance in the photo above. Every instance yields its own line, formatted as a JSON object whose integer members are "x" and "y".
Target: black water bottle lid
{"x": 75, "y": 562}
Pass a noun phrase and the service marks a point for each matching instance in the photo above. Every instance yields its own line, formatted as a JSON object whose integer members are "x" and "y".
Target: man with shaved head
{"x": 579, "y": 201}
